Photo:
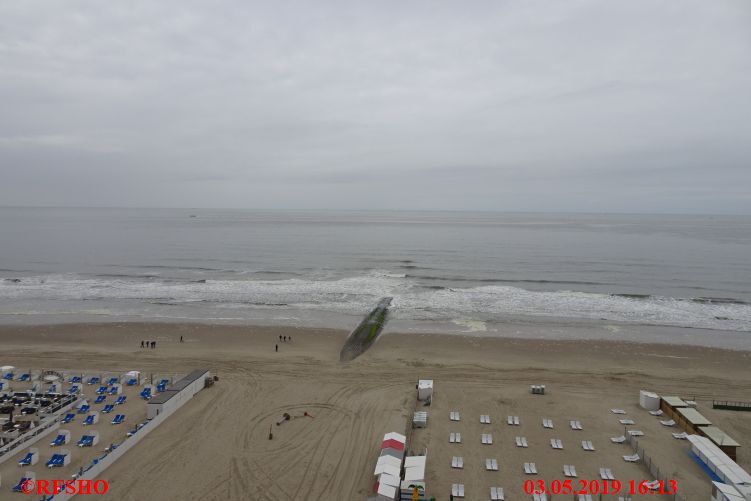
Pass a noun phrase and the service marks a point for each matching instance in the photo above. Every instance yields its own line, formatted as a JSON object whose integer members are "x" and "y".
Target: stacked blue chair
{"x": 56, "y": 460}
{"x": 68, "y": 418}
{"x": 102, "y": 390}
{"x": 100, "y": 399}
{"x": 84, "y": 409}
{"x": 86, "y": 441}
{"x": 59, "y": 440}
{"x": 89, "y": 420}
{"x": 26, "y": 461}
{"x": 113, "y": 390}
{"x": 119, "y": 418}
{"x": 108, "y": 408}
{"x": 121, "y": 399}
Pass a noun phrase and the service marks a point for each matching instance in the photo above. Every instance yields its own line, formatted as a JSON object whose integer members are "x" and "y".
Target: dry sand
{"x": 217, "y": 446}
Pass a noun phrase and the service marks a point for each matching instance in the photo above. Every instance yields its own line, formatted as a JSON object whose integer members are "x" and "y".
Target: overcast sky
{"x": 524, "y": 105}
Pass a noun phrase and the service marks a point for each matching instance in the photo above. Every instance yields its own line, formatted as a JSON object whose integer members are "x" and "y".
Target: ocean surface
{"x": 455, "y": 271}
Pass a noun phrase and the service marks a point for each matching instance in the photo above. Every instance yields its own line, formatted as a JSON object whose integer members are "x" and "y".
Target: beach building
{"x": 670, "y": 406}
{"x": 721, "y": 469}
{"x": 721, "y": 439}
{"x": 649, "y": 400}
{"x": 690, "y": 420}
{"x": 173, "y": 396}
{"x": 424, "y": 389}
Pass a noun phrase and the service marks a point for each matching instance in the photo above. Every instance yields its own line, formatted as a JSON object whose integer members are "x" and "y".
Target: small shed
{"x": 424, "y": 389}
{"x": 649, "y": 400}
{"x": 691, "y": 420}
{"x": 721, "y": 440}
{"x": 420, "y": 419}
{"x": 670, "y": 405}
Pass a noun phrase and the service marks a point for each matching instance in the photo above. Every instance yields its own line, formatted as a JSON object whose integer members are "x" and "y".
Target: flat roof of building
{"x": 675, "y": 401}
{"x": 719, "y": 437}
{"x": 162, "y": 397}
{"x": 693, "y": 416}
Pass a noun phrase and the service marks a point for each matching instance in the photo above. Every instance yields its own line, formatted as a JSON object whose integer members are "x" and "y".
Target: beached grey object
{"x": 521, "y": 442}
{"x": 587, "y": 445}
{"x": 633, "y": 458}
{"x": 537, "y": 389}
{"x": 658, "y": 412}
{"x": 457, "y": 462}
{"x": 484, "y": 419}
{"x": 617, "y": 411}
{"x": 547, "y": 423}
{"x": 530, "y": 468}
{"x": 618, "y": 440}
{"x": 576, "y": 425}
{"x": 667, "y": 423}
{"x": 680, "y": 436}
{"x": 457, "y": 490}
{"x": 366, "y": 333}
{"x": 569, "y": 470}
{"x": 636, "y": 433}
{"x": 606, "y": 474}
{"x": 496, "y": 494}
{"x": 491, "y": 464}
{"x": 626, "y": 421}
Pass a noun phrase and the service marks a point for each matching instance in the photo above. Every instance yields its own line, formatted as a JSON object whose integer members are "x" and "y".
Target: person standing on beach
{"x": 141, "y": 344}
{"x": 181, "y": 339}
{"x": 276, "y": 347}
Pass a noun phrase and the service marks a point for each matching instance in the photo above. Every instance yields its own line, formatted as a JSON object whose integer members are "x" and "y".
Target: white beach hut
{"x": 424, "y": 389}
{"x": 649, "y": 400}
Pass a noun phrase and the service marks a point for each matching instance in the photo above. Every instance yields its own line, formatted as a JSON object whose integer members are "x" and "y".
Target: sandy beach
{"x": 217, "y": 446}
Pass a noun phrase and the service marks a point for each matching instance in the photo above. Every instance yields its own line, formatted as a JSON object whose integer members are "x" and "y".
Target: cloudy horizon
{"x": 578, "y": 106}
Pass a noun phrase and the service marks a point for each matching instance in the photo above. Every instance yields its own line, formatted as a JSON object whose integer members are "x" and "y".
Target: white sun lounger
{"x": 634, "y": 458}
{"x": 454, "y": 416}
{"x": 626, "y": 421}
{"x": 622, "y": 498}
{"x": 636, "y": 433}
{"x": 485, "y": 419}
{"x": 680, "y": 436}
{"x": 496, "y": 494}
{"x": 513, "y": 420}
{"x": 569, "y": 470}
{"x": 618, "y": 440}
{"x": 617, "y": 411}
{"x": 606, "y": 474}
{"x": 576, "y": 425}
{"x": 585, "y": 497}
{"x": 455, "y": 438}
{"x": 487, "y": 439}
{"x": 658, "y": 412}
{"x": 547, "y": 423}
{"x": 521, "y": 442}
{"x": 491, "y": 464}
{"x": 530, "y": 468}
{"x": 556, "y": 443}
{"x": 653, "y": 485}
{"x": 457, "y": 490}
{"x": 457, "y": 462}
{"x": 539, "y": 497}
{"x": 587, "y": 445}
{"x": 670, "y": 422}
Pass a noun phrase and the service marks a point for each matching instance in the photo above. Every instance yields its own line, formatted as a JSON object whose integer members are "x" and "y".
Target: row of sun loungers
{"x": 556, "y": 443}
{"x": 576, "y": 425}
{"x": 485, "y": 419}
{"x": 455, "y": 438}
{"x": 496, "y": 494}
{"x": 454, "y": 416}
{"x": 91, "y": 419}
{"x": 521, "y": 442}
{"x": 513, "y": 420}
{"x": 487, "y": 439}
{"x": 491, "y": 464}
{"x": 547, "y": 423}
{"x": 587, "y": 445}
{"x": 457, "y": 462}
{"x": 530, "y": 468}
{"x": 569, "y": 470}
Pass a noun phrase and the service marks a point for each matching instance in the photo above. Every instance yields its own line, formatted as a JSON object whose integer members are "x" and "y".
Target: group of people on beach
{"x": 283, "y": 339}
{"x": 148, "y": 344}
